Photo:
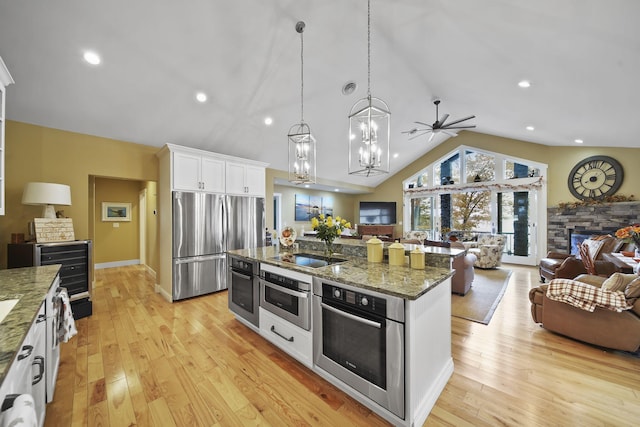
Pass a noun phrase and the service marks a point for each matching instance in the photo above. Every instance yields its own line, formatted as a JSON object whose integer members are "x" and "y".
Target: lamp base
{"x": 48, "y": 211}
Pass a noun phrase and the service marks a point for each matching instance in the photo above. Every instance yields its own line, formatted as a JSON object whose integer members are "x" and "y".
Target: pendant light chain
{"x": 301, "y": 76}
{"x": 369, "y": 48}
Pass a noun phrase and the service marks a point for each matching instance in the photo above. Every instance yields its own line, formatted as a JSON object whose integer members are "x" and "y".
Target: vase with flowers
{"x": 630, "y": 234}
{"x": 329, "y": 229}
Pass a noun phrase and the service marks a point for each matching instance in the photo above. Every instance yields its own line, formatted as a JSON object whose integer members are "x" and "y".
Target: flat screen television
{"x": 379, "y": 213}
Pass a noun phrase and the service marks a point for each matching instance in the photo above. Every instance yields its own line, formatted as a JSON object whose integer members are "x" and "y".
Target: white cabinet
{"x": 245, "y": 179}
{"x": 26, "y": 375}
{"x": 5, "y": 80}
{"x": 199, "y": 173}
{"x": 290, "y": 338}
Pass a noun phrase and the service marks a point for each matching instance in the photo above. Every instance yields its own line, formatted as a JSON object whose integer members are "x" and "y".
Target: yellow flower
{"x": 314, "y": 222}
{"x": 329, "y": 221}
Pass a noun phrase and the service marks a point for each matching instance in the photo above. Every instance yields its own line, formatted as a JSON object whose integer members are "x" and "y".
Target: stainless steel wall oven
{"x": 286, "y": 294}
{"x": 244, "y": 289}
{"x": 358, "y": 338}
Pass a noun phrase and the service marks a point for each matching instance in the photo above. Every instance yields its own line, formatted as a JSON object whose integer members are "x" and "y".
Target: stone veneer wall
{"x": 603, "y": 218}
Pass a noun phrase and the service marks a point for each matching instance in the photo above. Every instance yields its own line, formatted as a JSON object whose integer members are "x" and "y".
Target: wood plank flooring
{"x": 142, "y": 361}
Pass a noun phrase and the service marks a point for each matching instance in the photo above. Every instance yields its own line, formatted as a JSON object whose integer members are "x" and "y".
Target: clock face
{"x": 595, "y": 178}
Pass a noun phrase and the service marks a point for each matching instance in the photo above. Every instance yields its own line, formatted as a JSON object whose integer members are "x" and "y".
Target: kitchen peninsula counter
{"x": 30, "y": 285}
{"x": 399, "y": 281}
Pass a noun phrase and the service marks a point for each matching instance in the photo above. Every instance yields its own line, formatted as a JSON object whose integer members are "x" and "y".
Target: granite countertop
{"x": 400, "y": 281}
{"x": 30, "y": 285}
{"x": 454, "y": 252}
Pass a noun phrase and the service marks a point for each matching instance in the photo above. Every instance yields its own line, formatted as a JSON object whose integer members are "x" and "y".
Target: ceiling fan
{"x": 438, "y": 126}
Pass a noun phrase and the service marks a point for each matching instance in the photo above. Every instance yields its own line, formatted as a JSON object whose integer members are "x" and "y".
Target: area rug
{"x": 484, "y": 296}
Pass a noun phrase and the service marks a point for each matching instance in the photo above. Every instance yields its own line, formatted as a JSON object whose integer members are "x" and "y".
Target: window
{"x": 479, "y": 167}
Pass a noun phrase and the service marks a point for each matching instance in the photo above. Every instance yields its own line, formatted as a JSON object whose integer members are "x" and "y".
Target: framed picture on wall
{"x": 114, "y": 211}
{"x": 308, "y": 207}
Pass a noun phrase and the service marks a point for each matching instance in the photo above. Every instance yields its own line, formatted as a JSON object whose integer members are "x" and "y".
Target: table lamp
{"x": 46, "y": 194}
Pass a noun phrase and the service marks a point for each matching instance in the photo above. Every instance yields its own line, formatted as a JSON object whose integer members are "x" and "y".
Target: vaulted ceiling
{"x": 581, "y": 57}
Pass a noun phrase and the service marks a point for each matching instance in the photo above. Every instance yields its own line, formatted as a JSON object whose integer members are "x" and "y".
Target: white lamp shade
{"x": 46, "y": 193}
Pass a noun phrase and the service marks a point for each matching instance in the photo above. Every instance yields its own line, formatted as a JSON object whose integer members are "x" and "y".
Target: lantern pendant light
{"x": 369, "y": 127}
{"x": 302, "y": 145}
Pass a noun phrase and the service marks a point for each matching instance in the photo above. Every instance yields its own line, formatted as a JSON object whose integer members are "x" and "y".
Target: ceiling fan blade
{"x": 418, "y": 135}
{"x": 431, "y": 137}
{"x": 424, "y": 124}
{"x": 459, "y": 127}
{"x": 444, "y": 119}
{"x": 449, "y": 132}
{"x": 410, "y": 132}
{"x": 461, "y": 120}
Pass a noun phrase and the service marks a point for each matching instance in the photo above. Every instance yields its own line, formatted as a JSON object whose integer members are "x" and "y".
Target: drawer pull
{"x": 273, "y": 329}
{"x": 38, "y": 360}
{"x": 27, "y": 350}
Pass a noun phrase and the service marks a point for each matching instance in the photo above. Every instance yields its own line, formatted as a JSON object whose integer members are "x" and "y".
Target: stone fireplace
{"x": 569, "y": 226}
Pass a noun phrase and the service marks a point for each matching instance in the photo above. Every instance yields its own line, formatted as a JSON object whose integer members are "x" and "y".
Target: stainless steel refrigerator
{"x": 205, "y": 226}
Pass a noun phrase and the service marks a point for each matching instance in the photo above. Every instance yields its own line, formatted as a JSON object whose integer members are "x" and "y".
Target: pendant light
{"x": 302, "y": 145}
{"x": 369, "y": 127}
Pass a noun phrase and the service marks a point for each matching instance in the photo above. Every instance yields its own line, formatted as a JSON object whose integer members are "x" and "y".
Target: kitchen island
{"x": 425, "y": 333}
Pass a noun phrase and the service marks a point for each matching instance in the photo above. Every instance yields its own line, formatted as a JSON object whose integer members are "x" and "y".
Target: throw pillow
{"x": 632, "y": 290}
{"x": 618, "y": 282}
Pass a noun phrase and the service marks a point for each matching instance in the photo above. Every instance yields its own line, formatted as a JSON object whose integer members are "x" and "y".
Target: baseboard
{"x": 167, "y": 296}
{"x": 151, "y": 271}
{"x": 116, "y": 264}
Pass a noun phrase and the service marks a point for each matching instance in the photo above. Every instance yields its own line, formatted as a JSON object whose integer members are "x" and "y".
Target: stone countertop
{"x": 30, "y": 285}
{"x": 454, "y": 252}
{"x": 400, "y": 281}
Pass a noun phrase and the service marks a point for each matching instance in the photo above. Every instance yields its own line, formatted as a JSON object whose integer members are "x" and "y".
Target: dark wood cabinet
{"x": 376, "y": 230}
{"x": 75, "y": 273}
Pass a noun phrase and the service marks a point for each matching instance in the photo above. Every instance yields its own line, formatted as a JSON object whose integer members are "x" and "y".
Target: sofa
{"x": 601, "y": 327}
{"x": 462, "y": 266}
{"x": 487, "y": 250}
{"x": 464, "y": 274}
{"x": 557, "y": 265}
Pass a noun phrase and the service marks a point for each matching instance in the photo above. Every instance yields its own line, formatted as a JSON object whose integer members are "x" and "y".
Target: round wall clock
{"x": 595, "y": 177}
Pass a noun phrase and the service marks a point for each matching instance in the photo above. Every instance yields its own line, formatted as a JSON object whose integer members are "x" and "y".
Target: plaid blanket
{"x": 585, "y": 296}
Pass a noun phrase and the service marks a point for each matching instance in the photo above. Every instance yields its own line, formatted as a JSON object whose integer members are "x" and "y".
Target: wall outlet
{"x": 116, "y": 225}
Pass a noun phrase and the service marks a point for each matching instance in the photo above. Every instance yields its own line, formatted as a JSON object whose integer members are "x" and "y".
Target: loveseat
{"x": 559, "y": 265}
{"x": 601, "y": 327}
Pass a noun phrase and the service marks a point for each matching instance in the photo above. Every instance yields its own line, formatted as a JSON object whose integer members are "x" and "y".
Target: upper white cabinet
{"x": 198, "y": 172}
{"x": 5, "y": 80}
{"x": 245, "y": 179}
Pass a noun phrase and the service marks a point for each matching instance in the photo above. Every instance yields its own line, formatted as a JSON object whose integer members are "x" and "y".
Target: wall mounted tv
{"x": 381, "y": 213}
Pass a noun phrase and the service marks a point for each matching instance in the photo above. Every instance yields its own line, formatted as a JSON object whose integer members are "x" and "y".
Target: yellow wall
{"x": 36, "y": 153}
{"x": 116, "y": 241}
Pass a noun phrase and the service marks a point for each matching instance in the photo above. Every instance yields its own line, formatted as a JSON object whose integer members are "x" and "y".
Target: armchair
{"x": 488, "y": 250}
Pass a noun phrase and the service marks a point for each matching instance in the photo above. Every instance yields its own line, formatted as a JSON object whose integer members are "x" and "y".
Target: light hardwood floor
{"x": 142, "y": 361}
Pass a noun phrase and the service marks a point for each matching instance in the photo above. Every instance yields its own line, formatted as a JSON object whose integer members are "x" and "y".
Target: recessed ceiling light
{"x": 578, "y": 141}
{"x": 268, "y": 121}
{"x": 524, "y": 83}
{"x": 92, "y": 57}
{"x": 530, "y": 128}
{"x": 336, "y": 190}
{"x": 395, "y": 155}
{"x": 201, "y": 97}
{"x": 306, "y": 186}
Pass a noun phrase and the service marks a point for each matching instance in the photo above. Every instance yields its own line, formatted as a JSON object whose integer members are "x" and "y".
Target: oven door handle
{"x": 243, "y": 276}
{"x": 285, "y": 290}
{"x": 352, "y": 316}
